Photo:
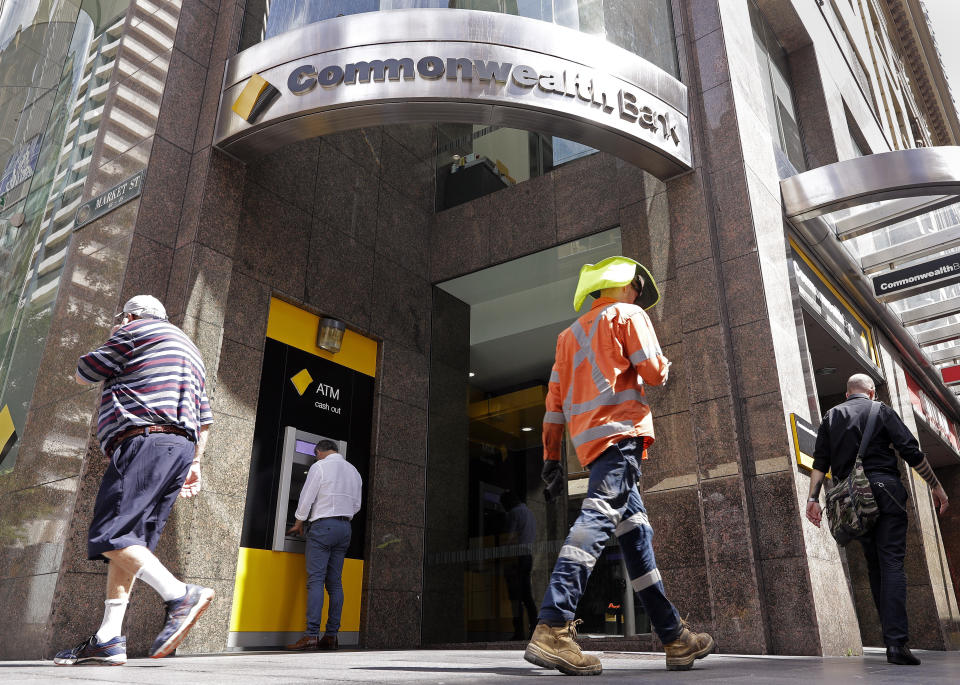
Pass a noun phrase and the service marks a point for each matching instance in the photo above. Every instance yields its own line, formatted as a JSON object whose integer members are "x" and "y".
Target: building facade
{"x": 433, "y": 174}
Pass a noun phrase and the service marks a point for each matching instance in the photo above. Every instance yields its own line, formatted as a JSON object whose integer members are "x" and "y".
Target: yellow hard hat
{"x": 614, "y": 272}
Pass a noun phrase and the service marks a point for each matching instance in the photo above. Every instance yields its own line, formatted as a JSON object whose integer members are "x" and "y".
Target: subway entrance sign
{"x": 919, "y": 278}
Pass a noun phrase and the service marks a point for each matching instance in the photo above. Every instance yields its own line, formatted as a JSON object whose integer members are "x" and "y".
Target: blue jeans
{"x": 612, "y": 505}
{"x": 327, "y": 543}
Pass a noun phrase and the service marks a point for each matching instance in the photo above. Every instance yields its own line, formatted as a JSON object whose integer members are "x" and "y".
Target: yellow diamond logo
{"x": 255, "y": 98}
{"x": 301, "y": 381}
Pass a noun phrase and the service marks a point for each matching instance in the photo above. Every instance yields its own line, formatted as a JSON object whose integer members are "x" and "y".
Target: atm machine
{"x": 297, "y": 458}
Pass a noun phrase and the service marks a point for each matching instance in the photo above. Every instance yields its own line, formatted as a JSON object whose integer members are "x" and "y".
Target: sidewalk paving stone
{"x": 453, "y": 667}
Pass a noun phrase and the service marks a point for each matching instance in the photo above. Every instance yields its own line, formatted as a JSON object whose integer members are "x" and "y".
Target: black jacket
{"x": 838, "y": 440}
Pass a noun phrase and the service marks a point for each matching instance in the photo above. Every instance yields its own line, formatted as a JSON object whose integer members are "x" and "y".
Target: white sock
{"x": 160, "y": 579}
{"x": 112, "y": 625}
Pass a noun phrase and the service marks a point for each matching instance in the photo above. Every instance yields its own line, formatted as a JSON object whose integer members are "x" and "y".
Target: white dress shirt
{"x": 332, "y": 489}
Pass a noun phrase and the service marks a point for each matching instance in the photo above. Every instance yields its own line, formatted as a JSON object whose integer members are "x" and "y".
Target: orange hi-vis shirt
{"x": 603, "y": 361}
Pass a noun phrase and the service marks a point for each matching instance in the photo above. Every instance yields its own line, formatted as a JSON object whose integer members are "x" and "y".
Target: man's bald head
{"x": 860, "y": 383}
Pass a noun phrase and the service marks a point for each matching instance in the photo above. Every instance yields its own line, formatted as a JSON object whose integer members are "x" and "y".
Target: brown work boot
{"x": 687, "y": 648}
{"x": 328, "y": 642}
{"x": 557, "y": 648}
{"x": 303, "y": 644}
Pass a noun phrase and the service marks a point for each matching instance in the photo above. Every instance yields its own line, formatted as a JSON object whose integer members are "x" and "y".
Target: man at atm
{"x": 328, "y": 502}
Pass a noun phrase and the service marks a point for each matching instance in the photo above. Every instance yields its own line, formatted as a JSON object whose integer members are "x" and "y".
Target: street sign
{"x": 110, "y": 200}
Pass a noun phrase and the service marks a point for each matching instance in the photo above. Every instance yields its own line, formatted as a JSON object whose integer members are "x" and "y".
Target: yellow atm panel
{"x": 306, "y": 394}
{"x": 270, "y": 595}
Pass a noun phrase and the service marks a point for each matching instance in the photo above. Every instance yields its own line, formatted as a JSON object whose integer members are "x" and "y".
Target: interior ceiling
{"x": 535, "y": 270}
{"x": 827, "y": 353}
{"x": 517, "y": 310}
{"x": 515, "y": 359}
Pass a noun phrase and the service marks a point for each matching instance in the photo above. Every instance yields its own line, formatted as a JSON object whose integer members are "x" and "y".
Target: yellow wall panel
{"x": 270, "y": 594}
{"x": 298, "y": 328}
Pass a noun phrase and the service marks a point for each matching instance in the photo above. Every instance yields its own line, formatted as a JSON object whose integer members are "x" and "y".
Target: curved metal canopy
{"x": 457, "y": 66}
{"x": 921, "y": 172}
{"x": 852, "y": 201}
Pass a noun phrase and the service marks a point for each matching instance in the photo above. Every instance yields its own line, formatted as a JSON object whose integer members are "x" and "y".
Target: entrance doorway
{"x": 492, "y": 538}
{"x": 833, "y": 362}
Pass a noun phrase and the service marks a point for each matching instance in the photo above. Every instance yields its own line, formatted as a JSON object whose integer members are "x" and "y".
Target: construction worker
{"x": 602, "y": 362}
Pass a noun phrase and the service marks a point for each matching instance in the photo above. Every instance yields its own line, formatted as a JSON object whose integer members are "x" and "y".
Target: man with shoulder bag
{"x": 868, "y": 501}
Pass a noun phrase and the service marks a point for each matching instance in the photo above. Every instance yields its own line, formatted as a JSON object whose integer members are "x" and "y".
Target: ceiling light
{"x": 471, "y": 374}
{"x": 826, "y": 371}
{"x": 527, "y": 429}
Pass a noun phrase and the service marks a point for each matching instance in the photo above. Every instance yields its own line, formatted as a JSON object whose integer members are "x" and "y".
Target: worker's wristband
{"x": 813, "y": 499}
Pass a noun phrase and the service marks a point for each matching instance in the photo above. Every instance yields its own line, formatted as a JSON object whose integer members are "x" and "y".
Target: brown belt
{"x": 118, "y": 439}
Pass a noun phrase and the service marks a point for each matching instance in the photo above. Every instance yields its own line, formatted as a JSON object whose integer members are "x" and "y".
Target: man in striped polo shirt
{"x": 596, "y": 389}
{"x": 153, "y": 425}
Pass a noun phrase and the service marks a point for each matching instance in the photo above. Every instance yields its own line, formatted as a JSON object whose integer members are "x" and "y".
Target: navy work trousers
{"x": 327, "y": 543}
{"x": 612, "y": 505}
{"x": 885, "y": 547}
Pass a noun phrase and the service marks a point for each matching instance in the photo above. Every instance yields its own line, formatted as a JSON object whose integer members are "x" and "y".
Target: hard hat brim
{"x": 614, "y": 272}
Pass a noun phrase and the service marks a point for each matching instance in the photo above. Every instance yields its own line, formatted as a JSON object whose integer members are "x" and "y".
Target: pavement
{"x": 484, "y": 666}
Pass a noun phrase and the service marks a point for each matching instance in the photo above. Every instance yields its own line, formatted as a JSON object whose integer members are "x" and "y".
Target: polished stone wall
{"x": 339, "y": 226}
{"x": 950, "y": 524}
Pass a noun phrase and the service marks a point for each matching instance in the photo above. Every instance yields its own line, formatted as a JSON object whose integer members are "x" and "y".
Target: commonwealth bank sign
{"x": 457, "y": 66}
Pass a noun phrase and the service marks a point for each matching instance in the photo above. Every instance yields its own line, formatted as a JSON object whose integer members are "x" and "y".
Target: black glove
{"x": 552, "y": 476}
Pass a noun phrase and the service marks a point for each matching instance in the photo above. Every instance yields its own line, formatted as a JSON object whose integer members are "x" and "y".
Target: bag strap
{"x": 868, "y": 430}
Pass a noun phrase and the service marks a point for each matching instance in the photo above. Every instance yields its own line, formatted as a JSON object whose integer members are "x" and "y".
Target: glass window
{"x": 79, "y": 49}
{"x": 777, "y": 90}
{"x": 491, "y": 537}
{"x": 284, "y": 15}
{"x": 473, "y": 161}
{"x": 833, "y": 309}
{"x": 645, "y": 28}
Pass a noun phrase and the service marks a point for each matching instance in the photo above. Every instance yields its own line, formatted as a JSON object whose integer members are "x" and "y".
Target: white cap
{"x": 146, "y": 306}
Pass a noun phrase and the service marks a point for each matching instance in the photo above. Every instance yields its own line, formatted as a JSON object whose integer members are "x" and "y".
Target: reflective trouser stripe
{"x": 610, "y": 479}
{"x": 602, "y": 506}
{"x": 646, "y": 580}
{"x": 553, "y": 417}
{"x": 607, "y": 398}
{"x": 577, "y": 555}
{"x": 602, "y": 431}
{"x": 635, "y": 521}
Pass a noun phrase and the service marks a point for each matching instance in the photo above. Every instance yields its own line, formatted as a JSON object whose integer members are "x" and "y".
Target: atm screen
{"x": 304, "y": 447}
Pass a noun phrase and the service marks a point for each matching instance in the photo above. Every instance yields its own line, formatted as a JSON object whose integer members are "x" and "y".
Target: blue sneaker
{"x": 110, "y": 653}
{"x": 181, "y": 615}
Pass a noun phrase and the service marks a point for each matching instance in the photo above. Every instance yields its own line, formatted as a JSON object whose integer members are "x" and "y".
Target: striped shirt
{"x": 153, "y": 374}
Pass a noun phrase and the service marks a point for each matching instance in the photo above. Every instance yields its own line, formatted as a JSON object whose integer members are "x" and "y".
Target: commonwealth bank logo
{"x": 301, "y": 381}
{"x": 255, "y": 98}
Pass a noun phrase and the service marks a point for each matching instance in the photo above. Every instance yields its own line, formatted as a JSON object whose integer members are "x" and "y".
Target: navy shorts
{"x": 137, "y": 492}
